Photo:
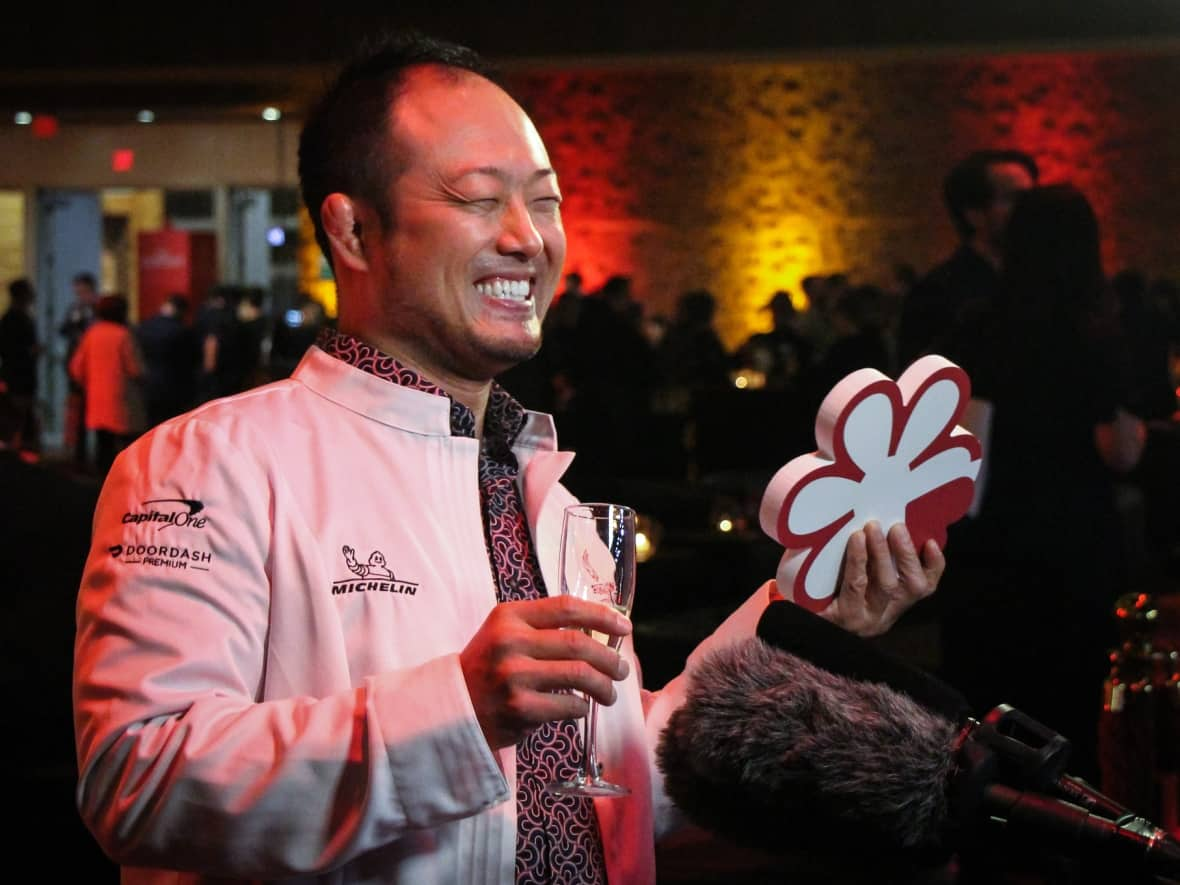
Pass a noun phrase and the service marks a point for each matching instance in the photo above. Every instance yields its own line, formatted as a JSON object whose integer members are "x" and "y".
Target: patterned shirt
{"x": 557, "y": 838}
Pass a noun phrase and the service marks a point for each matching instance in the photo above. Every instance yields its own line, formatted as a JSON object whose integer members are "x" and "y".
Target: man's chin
{"x": 509, "y": 354}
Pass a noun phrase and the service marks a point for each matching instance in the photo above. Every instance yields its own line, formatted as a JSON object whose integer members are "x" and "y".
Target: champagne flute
{"x": 598, "y": 564}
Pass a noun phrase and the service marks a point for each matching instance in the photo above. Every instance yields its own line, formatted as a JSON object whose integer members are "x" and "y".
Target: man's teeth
{"x": 508, "y": 290}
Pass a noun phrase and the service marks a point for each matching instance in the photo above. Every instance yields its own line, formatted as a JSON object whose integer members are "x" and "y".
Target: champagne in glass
{"x": 598, "y": 564}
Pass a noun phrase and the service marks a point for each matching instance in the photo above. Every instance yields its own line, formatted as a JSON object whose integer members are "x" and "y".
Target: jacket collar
{"x": 373, "y": 397}
{"x": 401, "y": 407}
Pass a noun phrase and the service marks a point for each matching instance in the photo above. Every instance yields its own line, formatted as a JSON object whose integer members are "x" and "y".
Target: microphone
{"x": 1030, "y": 751}
{"x": 776, "y": 752}
{"x": 792, "y": 628}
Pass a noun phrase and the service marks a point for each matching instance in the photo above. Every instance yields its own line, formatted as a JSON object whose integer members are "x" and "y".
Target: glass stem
{"x": 589, "y": 749}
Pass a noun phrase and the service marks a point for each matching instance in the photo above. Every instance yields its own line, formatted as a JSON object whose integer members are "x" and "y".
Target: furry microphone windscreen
{"x": 774, "y": 752}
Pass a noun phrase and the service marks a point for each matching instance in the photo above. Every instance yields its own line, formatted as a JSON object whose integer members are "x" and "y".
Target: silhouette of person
{"x": 170, "y": 355}
{"x": 19, "y": 352}
{"x": 978, "y": 193}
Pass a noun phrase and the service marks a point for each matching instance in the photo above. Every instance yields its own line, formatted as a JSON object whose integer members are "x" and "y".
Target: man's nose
{"x": 518, "y": 233}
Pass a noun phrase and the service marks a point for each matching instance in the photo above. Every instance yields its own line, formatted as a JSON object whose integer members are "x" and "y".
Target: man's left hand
{"x": 882, "y": 577}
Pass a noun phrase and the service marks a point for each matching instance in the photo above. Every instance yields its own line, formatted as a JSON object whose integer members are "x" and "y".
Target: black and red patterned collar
{"x": 505, "y": 416}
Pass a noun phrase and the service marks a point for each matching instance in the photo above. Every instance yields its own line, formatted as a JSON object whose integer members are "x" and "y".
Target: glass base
{"x": 588, "y": 786}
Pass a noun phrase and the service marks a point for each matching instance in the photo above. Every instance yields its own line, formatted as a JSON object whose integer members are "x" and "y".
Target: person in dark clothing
{"x": 1147, "y": 348}
{"x": 78, "y": 319}
{"x": 170, "y": 352}
{"x": 1025, "y": 616}
{"x": 19, "y": 349}
{"x": 215, "y": 328}
{"x": 294, "y": 331}
{"x": 978, "y": 194}
{"x": 611, "y": 370}
{"x": 858, "y": 343}
{"x": 692, "y": 355}
{"x": 783, "y": 354}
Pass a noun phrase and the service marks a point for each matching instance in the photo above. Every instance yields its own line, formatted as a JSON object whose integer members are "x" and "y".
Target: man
{"x": 245, "y": 706}
{"x": 782, "y": 354}
{"x": 19, "y": 350}
{"x": 978, "y": 193}
{"x": 77, "y": 321}
{"x": 170, "y": 351}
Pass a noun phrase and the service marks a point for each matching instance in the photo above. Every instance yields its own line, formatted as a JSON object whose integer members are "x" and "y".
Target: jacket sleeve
{"x": 183, "y": 763}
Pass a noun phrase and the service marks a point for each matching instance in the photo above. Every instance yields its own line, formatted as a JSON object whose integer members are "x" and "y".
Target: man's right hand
{"x": 522, "y": 668}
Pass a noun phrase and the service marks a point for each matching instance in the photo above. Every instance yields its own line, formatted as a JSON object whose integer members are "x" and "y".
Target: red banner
{"x": 175, "y": 262}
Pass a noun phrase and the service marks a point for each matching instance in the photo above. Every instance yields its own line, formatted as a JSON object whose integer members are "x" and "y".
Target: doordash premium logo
{"x": 169, "y": 512}
{"x": 173, "y": 556}
{"x": 373, "y": 575}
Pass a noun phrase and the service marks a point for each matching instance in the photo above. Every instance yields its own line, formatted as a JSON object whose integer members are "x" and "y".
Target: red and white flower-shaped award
{"x": 888, "y": 451}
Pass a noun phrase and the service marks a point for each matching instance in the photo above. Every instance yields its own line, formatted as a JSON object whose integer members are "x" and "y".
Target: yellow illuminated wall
{"x": 739, "y": 178}
{"x": 12, "y": 241}
{"x": 144, "y": 211}
{"x": 314, "y": 278}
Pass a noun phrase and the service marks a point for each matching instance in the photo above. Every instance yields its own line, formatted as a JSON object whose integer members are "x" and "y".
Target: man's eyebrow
{"x": 497, "y": 172}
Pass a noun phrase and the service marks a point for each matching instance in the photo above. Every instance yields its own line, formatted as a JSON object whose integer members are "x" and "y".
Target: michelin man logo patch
{"x": 371, "y": 576}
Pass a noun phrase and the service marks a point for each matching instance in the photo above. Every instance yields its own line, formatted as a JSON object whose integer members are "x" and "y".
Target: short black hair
{"x": 344, "y": 146}
{"x": 112, "y": 308}
{"x": 20, "y": 291}
{"x": 179, "y": 302}
{"x": 968, "y": 185}
{"x": 1053, "y": 253}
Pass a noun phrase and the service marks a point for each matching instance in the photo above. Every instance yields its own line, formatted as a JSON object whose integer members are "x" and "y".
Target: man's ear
{"x": 341, "y": 219}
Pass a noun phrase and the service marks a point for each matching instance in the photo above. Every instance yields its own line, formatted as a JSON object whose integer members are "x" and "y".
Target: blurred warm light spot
{"x": 642, "y": 547}
{"x": 122, "y": 159}
{"x": 647, "y": 537}
{"x": 44, "y": 126}
{"x": 749, "y": 379}
{"x": 725, "y": 525}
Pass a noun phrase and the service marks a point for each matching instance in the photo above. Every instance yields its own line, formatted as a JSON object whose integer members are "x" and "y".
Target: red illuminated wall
{"x": 745, "y": 177}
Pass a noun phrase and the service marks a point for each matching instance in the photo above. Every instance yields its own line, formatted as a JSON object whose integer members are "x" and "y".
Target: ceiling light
{"x": 22, "y": 118}
{"x": 271, "y": 114}
{"x": 146, "y": 116}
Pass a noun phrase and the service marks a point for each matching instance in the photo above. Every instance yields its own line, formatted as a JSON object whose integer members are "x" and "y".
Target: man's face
{"x": 84, "y": 293}
{"x": 475, "y": 252}
{"x": 1007, "y": 181}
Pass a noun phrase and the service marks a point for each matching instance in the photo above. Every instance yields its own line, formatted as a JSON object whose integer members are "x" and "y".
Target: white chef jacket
{"x": 251, "y": 704}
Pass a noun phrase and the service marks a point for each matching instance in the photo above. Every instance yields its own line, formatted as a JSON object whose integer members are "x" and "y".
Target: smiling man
{"x": 457, "y": 285}
{"x": 254, "y": 720}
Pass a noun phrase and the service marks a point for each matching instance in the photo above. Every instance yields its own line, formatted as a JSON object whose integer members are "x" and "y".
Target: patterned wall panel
{"x": 744, "y": 177}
